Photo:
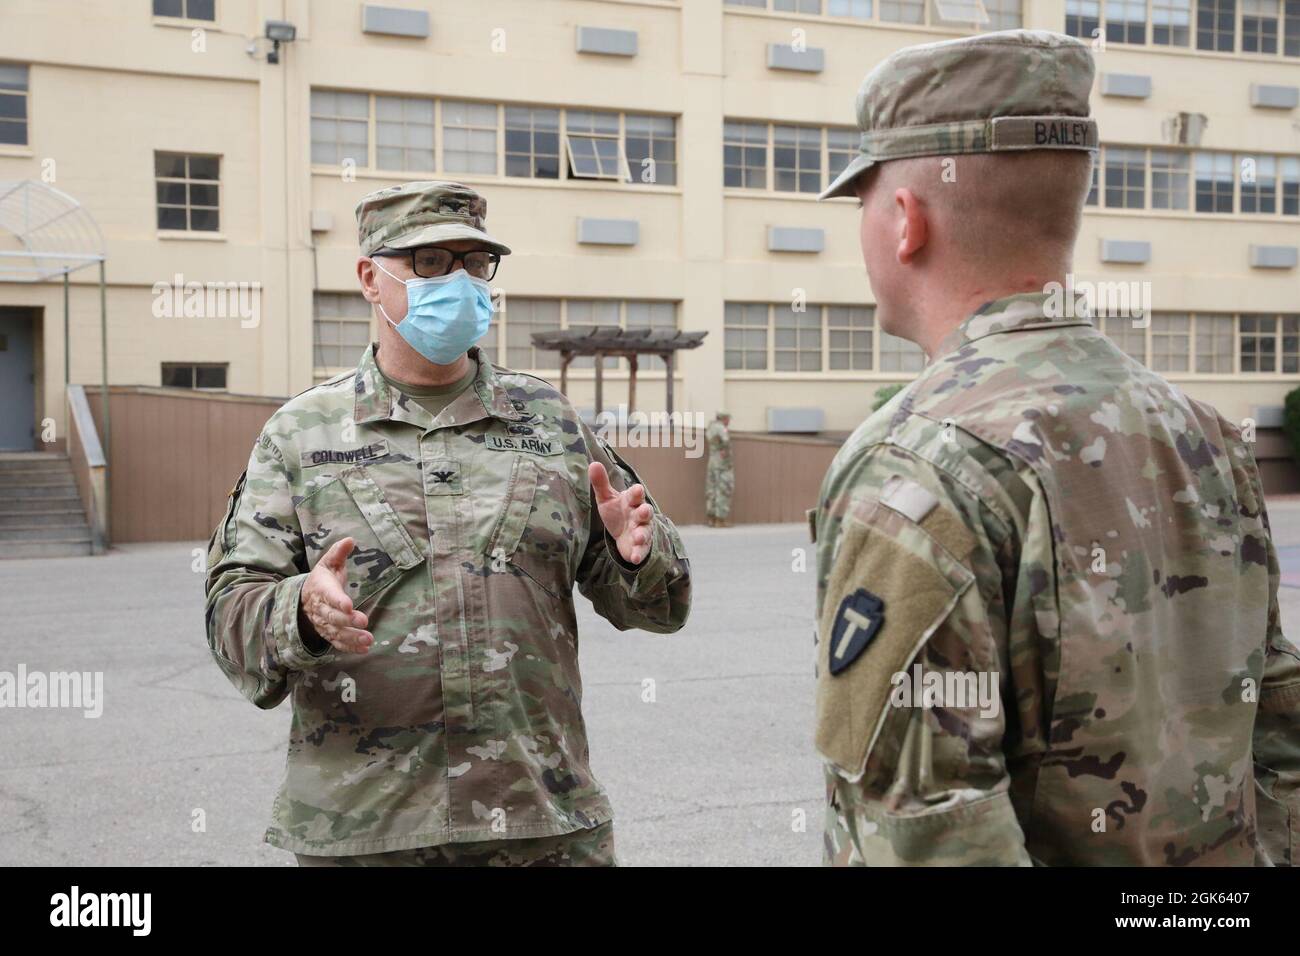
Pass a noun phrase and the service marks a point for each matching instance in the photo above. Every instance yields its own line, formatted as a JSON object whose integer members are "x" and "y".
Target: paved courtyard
{"x": 716, "y": 771}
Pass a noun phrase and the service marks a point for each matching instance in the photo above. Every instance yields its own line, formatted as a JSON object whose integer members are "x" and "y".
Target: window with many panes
{"x": 1130, "y": 338}
{"x": 903, "y": 11}
{"x": 1170, "y": 179}
{"x": 841, "y": 147}
{"x": 651, "y": 146}
{"x": 744, "y": 155}
{"x": 1125, "y": 178}
{"x": 532, "y": 143}
{"x": 1082, "y": 18}
{"x": 1126, "y": 21}
{"x": 857, "y": 9}
{"x": 1214, "y": 344}
{"x": 1216, "y": 24}
{"x": 189, "y": 191}
{"x": 404, "y": 133}
{"x": 340, "y": 329}
{"x": 651, "y": 315}
{"x": 592, "y": 141}
{"x": 1290, "y": 167}
{"x": 797, "y": 6}
{"x": 797, "y": 158}
{"x": 797, "y": 339}
{"x": 1171, "y": 342}
{"x": 523, "y": 317}
{"x": 583, "y": 315}
{"x": 13, "y": 104}
{"x": 340, "y": 127}
{"x": 1258, "y": 348}
{"x": 1291, "y": 27}
{"x": 1004, "y": 14}
{"x": 899, "y": 355}
{"x": 1258, "y": 184}
{"x": 198, "y": 375}
{"x": 1260, "y": 23}
{"x": 469, "y": 137}
{"x": 1213, "y": 182}
{"x": 1094, "y": 194}
{"x": 1171, "y": 22}
{"x": 186, "y": 9}
{"x": 849, "y": 331}
{"x": 745, "y": 335}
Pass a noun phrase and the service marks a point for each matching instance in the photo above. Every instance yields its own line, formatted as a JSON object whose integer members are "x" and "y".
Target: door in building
{"x": 17, "y": 381}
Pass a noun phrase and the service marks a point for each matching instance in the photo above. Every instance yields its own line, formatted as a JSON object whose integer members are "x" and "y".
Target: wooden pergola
{"x": 610, "y": 341}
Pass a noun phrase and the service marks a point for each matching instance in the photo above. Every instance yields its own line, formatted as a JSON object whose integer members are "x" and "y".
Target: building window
{"x": 1214, "y": 337}
{"x": 1258, "y": 343}
{"x": 1290, "y": 186}
{"x": 857, "y": 9}
{"x": 1082, "y": 18}
{"x": 469, "y": 137}
{"x": 532, "y": 143}
{"x": 1213, "y": 182}
{"x": 1004, "y": 14}
{"x": 656, "y": 316}
{"x": 841, "y": 147}
{"x": 340, "y": 329}
{"x": 583, "y": 315}
{"x": 1216, "y": 22}
{"x": 744, "y": 155}
{"x": 650, "y": 143}
{"x": 797, "y": 158}
{"x": 199, "y": 375}
{"x": 902, "y": 11}
{"x": 404, "y": 133}
{"x": 1171, "y": 22}
{"x": 1130, "y": 339}
{"x": 745, "y": 336}
{"x": 1258, "y": 184}
{"x": 340, "y": 127}
{"x": 798, "y": 6}
{"x": 523, "y": 317}
{"x": 899, "y": 355}
{"x": 761, "y": 4}
{"x": 797, "y": 339}
{"x": 849, "y": 331}
{"x": 1291, "y": 27}
{"x": 1259, "y": 26}
{"x": 593, "y": 145}
{"x": 188, "y": 190}
{"x": 1126, "y": 21}
{"x": 1170, "y": 180}
{"x": 1171, "y": 340}
{"x": 13, "y": 104}
{"x": 1093, "y": 196}
{"x": 186, "y": 9}
{"x": 1125, "y": 178}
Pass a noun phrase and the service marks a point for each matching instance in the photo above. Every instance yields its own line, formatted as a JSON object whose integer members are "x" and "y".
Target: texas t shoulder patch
{"x": 856, "y": 622}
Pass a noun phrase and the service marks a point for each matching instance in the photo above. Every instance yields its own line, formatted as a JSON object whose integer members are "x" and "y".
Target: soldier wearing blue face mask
{"x": 400, "y": 557}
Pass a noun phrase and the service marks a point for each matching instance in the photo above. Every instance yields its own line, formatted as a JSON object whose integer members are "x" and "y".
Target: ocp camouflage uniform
{"x": 720, "y": 472}
{"x": 463, "y": 723}
{"x": 1041, "y": 509}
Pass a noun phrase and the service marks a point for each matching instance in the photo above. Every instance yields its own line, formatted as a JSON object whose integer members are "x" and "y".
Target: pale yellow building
{"x": 651, "y": 162}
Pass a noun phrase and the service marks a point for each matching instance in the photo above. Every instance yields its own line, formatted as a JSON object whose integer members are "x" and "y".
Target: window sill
{"x": 732, "y": 192}
{"x": 187, "y": 235}
{"x": 183, "y": 23}
{"x": 400, "y": 175}
{"x": 1165, "y": 50}
{"x": 874, "y": 23}
{"x": 17, "y": 152}
{"x": 735, "y": 375}
{"x": 1184, "y": 216}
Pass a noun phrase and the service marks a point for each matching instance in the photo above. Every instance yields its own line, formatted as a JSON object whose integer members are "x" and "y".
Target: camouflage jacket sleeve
{"x": 654, "y": 595}
{"x": 1276, "y": 739}
{"x": 256, "y": 567}
{"x": 913, "y": 667}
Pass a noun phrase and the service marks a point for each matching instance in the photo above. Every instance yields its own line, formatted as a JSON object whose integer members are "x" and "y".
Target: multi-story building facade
{"x": 653, "y": 163}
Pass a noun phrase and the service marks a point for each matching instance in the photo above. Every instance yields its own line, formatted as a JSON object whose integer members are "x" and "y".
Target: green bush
{"x": 887, "y": 392}
{"x": 1291, "y": 422}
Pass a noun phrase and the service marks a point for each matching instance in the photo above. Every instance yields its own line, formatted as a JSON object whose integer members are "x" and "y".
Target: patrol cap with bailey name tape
{"x": 422, "y": 214}
{"x": 1010, "y": 90}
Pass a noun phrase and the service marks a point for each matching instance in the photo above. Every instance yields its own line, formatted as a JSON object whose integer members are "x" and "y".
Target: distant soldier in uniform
{"x": 720, "y": 474}
{"x": 1047, "y": 596}
{"x": 399, "y": 559}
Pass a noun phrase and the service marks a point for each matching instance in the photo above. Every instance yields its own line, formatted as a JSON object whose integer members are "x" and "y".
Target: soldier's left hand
{"x": 625, "y": 514}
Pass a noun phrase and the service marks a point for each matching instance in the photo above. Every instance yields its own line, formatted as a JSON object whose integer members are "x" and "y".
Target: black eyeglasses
{"x": 430, "y": 262}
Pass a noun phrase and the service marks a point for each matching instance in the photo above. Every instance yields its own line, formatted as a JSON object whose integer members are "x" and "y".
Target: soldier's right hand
{"x": 325, "y": 602}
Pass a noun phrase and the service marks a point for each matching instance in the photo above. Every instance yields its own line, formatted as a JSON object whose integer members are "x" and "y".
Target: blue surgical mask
{"x": 444, "y": 315}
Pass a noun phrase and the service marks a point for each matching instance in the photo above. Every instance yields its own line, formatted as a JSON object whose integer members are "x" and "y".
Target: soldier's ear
{"x": 367, "y": 277}
{"x": 913, "y": 225}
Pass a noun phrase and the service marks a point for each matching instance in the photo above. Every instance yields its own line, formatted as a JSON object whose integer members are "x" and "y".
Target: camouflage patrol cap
{"x": 422, "y": 214}
{"x": 1011, "y": 90}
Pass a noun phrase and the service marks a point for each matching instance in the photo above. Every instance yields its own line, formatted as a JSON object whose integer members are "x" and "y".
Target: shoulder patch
{"x": 856, "y": 623}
